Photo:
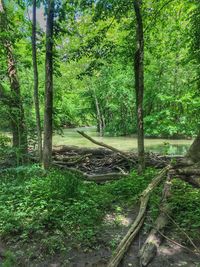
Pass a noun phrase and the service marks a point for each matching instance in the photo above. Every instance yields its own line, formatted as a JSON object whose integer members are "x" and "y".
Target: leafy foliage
{"x": 34, "y": 203}
{"x": 55, "y": 210}
{"x": 95, "y": 46}
{"x": 184, "y": 202}
{"x": 5, "y": 150}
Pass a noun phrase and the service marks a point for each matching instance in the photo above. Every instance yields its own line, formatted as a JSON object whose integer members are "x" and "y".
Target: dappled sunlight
{"x": 99, "y": 133}
{"x": 169, "y": 250}
{"x": 114, "y": 218}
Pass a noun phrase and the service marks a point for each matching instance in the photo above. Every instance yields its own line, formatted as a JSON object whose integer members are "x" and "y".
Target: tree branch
{"x": 123, "y": 154}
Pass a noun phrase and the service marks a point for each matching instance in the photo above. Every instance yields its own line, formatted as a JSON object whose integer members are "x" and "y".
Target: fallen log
{"x": 192, "y": 180}
{"x": 73, "y": 160}
{"x": 80, "y": 150}
{"x": 122, "y": 153}
{"x": 180, "y": 161}
{"x": 98, "y": 178}
{"x": 154, "y": 239}
{"x": 189, "y": 171}
{"x": 137, "y": 224}
{"x": 70, "y": 169}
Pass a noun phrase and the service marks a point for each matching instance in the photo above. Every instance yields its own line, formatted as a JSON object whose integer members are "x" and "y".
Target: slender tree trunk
{"x": 17, "y": 112}
{"x": 48, "y": 129}
{"x": 139, "y": 83}
{"x": 36, "y": 94}
{"x": 99, "y": 117}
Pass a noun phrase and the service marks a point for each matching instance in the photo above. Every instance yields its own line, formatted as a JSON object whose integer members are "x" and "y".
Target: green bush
{"x": 128, "y": 189}
{"x": 33, "y": 202}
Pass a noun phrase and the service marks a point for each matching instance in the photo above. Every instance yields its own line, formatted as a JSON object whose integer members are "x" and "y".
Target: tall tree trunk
{"x": 99, "y": 117}
{"x": 139, "y": 83}
{"x": 17, "y": 112}
{"x": 36, "y": 94}
{"x": 47, "y": 149}
{"x": 194, "y": 150}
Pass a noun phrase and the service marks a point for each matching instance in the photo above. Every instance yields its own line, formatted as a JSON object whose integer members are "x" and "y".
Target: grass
{"x": 43, "y": 213}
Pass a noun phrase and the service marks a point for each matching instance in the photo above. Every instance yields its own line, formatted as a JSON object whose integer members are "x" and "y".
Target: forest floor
{"x": 57, "y": 219}
{"x": 168, "y": 255}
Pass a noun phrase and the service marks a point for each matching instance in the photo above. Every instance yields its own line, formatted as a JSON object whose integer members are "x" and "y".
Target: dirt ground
{"x": 167, "y": 256}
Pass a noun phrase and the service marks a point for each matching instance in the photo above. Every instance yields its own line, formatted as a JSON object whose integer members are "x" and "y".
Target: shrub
{"x": 185, "y": 207}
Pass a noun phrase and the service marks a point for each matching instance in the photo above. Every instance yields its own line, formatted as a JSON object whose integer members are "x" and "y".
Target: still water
{"x": 162, "y": 146}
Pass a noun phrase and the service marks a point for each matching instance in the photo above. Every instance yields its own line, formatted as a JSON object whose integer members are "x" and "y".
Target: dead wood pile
{"x": 101, "y": 160}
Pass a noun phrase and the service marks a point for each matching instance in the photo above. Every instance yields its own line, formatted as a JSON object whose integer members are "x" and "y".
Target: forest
{"x": 99, "y": 133}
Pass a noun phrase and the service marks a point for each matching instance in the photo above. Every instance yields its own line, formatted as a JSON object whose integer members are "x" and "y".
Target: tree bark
{"x": 194, "y": 150}
{"x": 139, "y": 83}
{"x": 48, "y": 113}
{"x": 36, "y": 93}
{"x": 17, "y": 112}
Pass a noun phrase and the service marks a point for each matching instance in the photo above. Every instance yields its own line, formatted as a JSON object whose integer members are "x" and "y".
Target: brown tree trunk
{"x": 47, "y": 149}
{"x": 139, "y": 83}
{"x": 18, "y": 120}
{"x": 36, "y": 94}
{"x": 194, "y": 150}
{"x": 17, "y": 112}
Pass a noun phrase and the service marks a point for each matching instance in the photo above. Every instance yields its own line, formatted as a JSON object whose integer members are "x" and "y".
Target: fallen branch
{"x": 192, "y": 180}
{"x": 137, "y": 224}
{"x": 73, "y": 160}
{"x": 187, "y": 236}
{"x": 105, "y": 177}
{"x": 123, "y": 154}
{"x": 189, "y": 171}
{"x": 154, "y": 239}
{"x": 98, "y": 178}
{"x": 178, "y": 244}
{"x": 64, "y": 167}
{"x": 81, "y": 150}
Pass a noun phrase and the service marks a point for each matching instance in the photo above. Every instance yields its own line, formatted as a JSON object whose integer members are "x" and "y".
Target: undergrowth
{"x": 56, "y": 209}
{"x": 184, "y": 203}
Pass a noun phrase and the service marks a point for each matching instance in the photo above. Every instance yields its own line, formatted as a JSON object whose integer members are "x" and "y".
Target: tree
{"x": 194, "y": 150}
{"x": 36, "y": 94}
{"x": 139, "y": 82}
{"x": 48, "y": 113}
{"x": 17, "y": 112}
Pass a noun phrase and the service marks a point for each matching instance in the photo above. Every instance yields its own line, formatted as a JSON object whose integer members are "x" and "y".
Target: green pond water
{"x": 162, "y": 146}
